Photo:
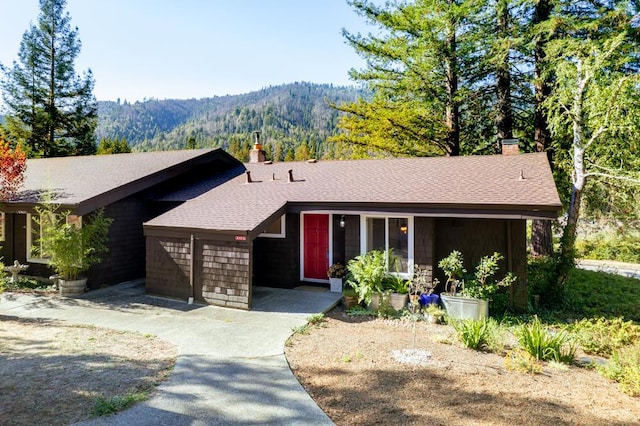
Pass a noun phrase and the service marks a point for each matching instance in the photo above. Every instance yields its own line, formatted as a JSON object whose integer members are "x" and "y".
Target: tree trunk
{"x": 452, "y": 108}
{"x": 504, "y": 119}
{"x": 541, "y": 231}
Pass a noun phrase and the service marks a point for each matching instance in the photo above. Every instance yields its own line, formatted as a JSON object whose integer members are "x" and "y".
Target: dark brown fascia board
{"x": 106, "y": 198}
{"x": 441, "y": 210}
{"x": 212, "y": 234}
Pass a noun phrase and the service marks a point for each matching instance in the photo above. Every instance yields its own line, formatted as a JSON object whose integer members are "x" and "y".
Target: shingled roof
{"x": 86, "y": 183}
{"x": 519, "y": 186}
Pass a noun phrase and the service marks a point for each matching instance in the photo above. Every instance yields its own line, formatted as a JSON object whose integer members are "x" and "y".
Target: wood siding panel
{"x": 351, "y": 237}
{"x": 276, "y": 261}
{"x": 476, "y": 238}
{"x": 223, "y": 272}
{"x": 424, "y": 241}
{"x": 168, "y": 266}
{"x": 518, "y": 264}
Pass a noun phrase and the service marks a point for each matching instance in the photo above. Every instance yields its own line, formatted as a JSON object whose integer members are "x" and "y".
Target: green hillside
{"x": 295, "y": 120}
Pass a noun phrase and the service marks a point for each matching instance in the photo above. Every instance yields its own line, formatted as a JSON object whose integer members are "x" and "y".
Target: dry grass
{"x": 53, "y": 373}
{"x": 348, "y": 367}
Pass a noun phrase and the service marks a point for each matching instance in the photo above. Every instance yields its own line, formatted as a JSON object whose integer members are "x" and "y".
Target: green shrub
{"x": 622, "y": 246}
{"x": 624, "y": 367}
{"x": 365, "y": 274}
{"x": 598, "y": 294}
{"x": 543, "y": 344}
{"x": 542, "y": 280}
{"x": 30, "y": 284}
{"x": 603, "y": 336}
{"x": 477, "y": 334}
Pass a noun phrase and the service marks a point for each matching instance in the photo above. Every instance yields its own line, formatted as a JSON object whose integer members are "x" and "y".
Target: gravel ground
{"x": 51, "y": 372}
{"x": 365, "y": 371}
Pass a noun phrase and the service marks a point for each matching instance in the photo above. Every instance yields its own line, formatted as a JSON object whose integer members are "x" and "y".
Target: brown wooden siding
{"x": 168, "y": 267}
{"x": 6, "y": 246}
{"x": 476, "y": 238}
{"x": 126, "y": 258}
{"x": 221, "y": 270}
{"x": 223, "y": 273}
{"x": 276, "y": 261}
{"x": 424, "y": 240}
{"x": 351, "y": 237}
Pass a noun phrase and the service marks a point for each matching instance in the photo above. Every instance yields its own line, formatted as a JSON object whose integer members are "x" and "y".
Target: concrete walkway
{"x": 231, "y": 367}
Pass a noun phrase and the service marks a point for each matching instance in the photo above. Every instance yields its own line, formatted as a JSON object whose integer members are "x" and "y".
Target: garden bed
{"x": 348, "y": 366}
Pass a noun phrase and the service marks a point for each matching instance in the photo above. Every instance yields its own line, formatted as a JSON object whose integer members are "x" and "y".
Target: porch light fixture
{"x": 342, "y": 221}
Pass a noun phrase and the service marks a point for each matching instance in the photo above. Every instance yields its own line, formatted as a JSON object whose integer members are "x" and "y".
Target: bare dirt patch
{"x": 52, "y": 372}
{"x": 348, "y": 367}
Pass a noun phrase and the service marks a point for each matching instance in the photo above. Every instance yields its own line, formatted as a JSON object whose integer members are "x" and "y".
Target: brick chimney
{"x": 257, "y": 154}
{"x": 510, "y": 147}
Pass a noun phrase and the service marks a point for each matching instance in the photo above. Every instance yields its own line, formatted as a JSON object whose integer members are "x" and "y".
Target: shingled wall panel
{"x": 424, "y": 240}
{"x": 223, "y": 272}
{"x": 168, "y": 266}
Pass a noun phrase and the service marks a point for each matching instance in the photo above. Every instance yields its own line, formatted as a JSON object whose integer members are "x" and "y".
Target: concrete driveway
{"x": 231, "y": 367}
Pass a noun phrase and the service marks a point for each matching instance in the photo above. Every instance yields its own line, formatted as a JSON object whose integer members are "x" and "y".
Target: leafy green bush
{"x": 623, "y": 246}
{"x": 30, "y": 284}
{"x": 603, "y": 336}
{"x": 542, "y": 280}
{"x": 477, "y": 334}
{"x": 545, "y": 345}
{"x": 365, "y": 274}
{"x": 598, "y": 294}
{"x": 624, "y": 367}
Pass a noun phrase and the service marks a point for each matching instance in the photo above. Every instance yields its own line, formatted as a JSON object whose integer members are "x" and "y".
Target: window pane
{"x": 399, "y": 242}
{"x": 375, "y": 234}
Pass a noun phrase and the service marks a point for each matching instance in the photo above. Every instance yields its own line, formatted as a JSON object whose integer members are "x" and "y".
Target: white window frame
{"x": 283, "y": 229}
{"x": 30, "y": 242}
{"x": 2, "y": 226}
{"x": 410, "y": 238}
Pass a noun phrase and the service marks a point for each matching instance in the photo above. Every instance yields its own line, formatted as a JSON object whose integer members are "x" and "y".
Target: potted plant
{"x": 71, "y": 248}
{"x": 470, "y": 299}
{"x": 336, "y": 273}
{"x": 365, "y": 275}
{"x": 399, "y": 288}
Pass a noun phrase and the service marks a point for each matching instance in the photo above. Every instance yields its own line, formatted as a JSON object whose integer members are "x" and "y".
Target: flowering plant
{"x": 336, "y": 271}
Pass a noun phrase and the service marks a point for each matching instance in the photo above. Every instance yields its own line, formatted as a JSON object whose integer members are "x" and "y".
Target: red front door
{"x": 316, "y": 246}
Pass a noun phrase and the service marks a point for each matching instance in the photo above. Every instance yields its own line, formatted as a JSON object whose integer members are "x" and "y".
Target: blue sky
{"x": 198, "y": 48}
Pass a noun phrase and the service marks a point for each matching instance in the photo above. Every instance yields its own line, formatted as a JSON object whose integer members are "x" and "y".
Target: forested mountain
{"x": 295, "y": 120}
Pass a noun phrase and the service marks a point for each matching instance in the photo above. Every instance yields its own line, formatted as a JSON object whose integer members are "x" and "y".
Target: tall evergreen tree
{"x": 541, "y": 231}
{"x": 51, "y": 109}
{"x": 415, "y": 68}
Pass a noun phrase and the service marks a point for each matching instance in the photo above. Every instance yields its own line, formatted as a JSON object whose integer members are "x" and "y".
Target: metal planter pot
{"x": 465, "y": 307}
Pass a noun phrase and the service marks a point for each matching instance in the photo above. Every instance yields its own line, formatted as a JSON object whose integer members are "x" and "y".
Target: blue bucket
{"x": 429, "y": 299}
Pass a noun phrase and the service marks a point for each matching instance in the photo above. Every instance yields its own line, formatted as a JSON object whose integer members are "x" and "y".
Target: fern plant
{"x": 366, "y": 273}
